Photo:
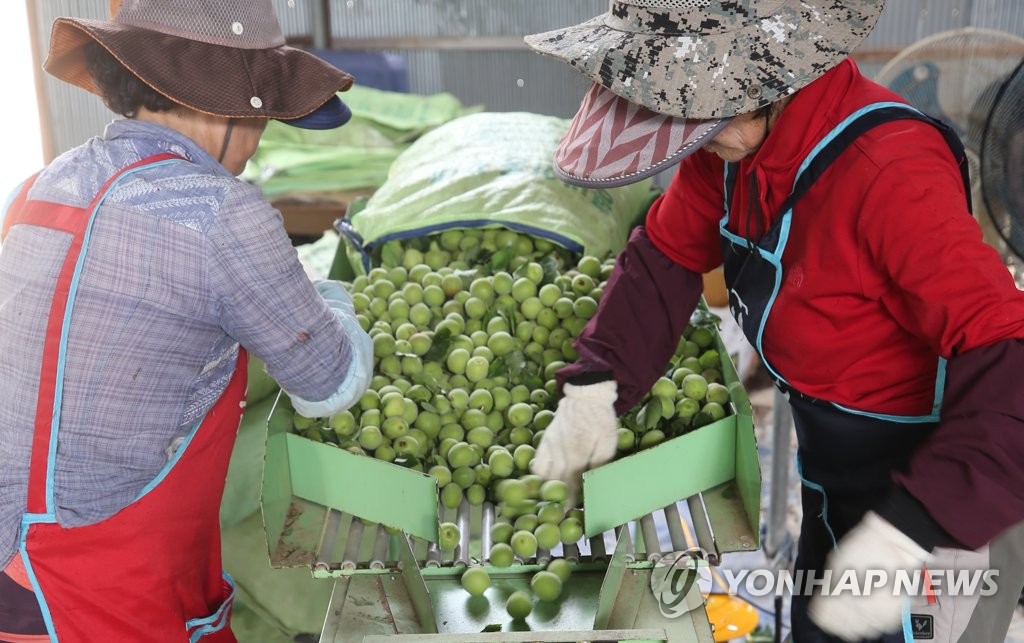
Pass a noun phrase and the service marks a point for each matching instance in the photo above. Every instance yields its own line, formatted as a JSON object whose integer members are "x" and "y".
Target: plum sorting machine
{"x": 326, "y": 509}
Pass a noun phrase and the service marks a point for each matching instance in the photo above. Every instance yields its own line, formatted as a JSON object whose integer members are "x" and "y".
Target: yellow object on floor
{"x": 731, "y": 617}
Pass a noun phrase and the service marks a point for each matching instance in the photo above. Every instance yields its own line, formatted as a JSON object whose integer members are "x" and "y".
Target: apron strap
{"x": 822, "y": 157}
{"x": 15, "y": 206}
{"x": 75, "y": 221}
{"x": 832, "y": 146}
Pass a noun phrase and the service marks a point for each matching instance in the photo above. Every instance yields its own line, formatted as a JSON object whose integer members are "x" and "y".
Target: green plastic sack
{"x": 493, "y": 170}
{"x": 355, "y": 156}
{"x": 271, "y": 605}
{"x": 260, "y": 385}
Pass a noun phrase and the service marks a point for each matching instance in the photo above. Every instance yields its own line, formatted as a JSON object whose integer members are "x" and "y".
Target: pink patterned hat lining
{"x": 613, "y": 142}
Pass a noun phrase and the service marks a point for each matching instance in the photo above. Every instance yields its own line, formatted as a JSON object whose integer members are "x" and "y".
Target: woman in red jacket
{"x": 842, "y": 218}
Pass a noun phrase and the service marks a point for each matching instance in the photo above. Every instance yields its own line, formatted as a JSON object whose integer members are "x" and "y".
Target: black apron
{"x": 846, "y": 457}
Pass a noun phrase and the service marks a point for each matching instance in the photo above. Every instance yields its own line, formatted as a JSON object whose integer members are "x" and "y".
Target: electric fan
{"x": 957, "y": 76}
{"x": 1002, "y": 163}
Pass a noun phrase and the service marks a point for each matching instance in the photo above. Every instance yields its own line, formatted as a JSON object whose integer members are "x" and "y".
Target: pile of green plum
{"x": 464, "y": 356}
{"x": 690, "y": 395}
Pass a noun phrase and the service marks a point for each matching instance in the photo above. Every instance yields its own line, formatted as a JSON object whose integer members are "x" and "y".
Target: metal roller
{"x": 380, "y": 548}
{"x": 350, "y": 559}
{"x": 462, "y": 521}
{"x": 328, "y": 540}
{"x": 487, "y": 521}
{"x": 675, "y": 528}
{"x": 543, "y": 556}
{"x": 433, "y": 555}
{"x": 650, "y": 535}
{"x": 702, "y": 528}
{"x": 571, "y": 552}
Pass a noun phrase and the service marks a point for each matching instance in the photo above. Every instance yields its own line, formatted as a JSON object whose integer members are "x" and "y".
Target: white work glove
{"x": 357, "y": 380}
{"x": 581, "y": 436}
{"x": 335, "y": 295}
{"x": 873, "y": 545}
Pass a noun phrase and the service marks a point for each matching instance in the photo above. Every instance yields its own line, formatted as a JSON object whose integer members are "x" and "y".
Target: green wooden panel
{"x": 366, "y": 487}
{"x": 611, "y": 583}
{"x": 416, "y": 588}
{"x": 276, "y": 495}
{"x": 636, "y": 485}
{"x": 748, "y": 466}
{"x": 748, "y": 474}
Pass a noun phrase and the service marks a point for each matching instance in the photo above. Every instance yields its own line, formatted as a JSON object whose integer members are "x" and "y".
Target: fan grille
{"x": 954, "y": 76}
{"x": 1002, "y": 162}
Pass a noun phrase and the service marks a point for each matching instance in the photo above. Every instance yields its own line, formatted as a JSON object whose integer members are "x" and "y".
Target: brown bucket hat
{"x": 222, "y": 57}
{"x": 669, "y": 73}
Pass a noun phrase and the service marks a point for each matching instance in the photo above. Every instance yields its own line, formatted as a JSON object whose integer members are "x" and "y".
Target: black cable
{"x": 778, "y": 619}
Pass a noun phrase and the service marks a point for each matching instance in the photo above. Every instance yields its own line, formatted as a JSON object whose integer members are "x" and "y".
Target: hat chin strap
{"x": 227, "y": 141}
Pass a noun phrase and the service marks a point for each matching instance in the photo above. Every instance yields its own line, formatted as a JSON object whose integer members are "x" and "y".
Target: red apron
{"x": 152, "y": 571}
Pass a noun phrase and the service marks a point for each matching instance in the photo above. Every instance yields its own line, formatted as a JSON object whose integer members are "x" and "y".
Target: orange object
{"x": 714, "y": 288}
{"x": 731, "y": 617}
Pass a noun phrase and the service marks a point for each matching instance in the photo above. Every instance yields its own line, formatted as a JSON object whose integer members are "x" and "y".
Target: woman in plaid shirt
{"x": 136, "y": 273}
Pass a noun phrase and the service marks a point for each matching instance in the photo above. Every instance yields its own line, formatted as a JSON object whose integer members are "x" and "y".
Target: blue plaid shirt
{"x": 185, "y": 263}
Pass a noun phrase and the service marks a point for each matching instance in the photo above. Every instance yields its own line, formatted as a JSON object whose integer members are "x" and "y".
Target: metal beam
{"x": 485, "y": 43}
{"x": 321, "y": 27}
{"x": 42, "y": 99}
{"x": 782, "y": 428}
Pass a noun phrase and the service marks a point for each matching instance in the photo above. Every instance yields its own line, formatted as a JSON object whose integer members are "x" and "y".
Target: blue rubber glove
{"x": 357, "y": 380}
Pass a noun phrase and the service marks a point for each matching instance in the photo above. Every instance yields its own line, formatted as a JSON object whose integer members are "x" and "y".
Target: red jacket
{"x": 885, "y": 268}
{"x": 885, "y": 271}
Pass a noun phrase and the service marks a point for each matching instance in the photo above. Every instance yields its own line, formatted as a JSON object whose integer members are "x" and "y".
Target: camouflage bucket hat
{"x": 709, "y": 59}
{"x": 669, "y": 74}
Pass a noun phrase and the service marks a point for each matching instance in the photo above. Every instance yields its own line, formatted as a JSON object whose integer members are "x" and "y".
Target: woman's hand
{"x": 581, "y": 436}
{"x": 877, "y": 550}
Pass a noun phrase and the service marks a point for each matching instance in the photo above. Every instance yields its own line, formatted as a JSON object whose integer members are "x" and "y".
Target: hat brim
{"x": 659, "y": 59}
{"x": 280, "y": 82}
{"x": 334, "y": 113}
{"x": 613, "y": 142}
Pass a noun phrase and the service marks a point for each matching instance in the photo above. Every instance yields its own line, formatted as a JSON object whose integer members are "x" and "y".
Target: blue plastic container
{"x": 371, "y": 69}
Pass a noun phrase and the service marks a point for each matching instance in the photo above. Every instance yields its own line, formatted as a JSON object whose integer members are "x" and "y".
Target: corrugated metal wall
{"x": 295, "y": 15}
{"x": 456, "y": 18}
{"x": 510, "y": 79}
{"x": 492, "y": 68}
